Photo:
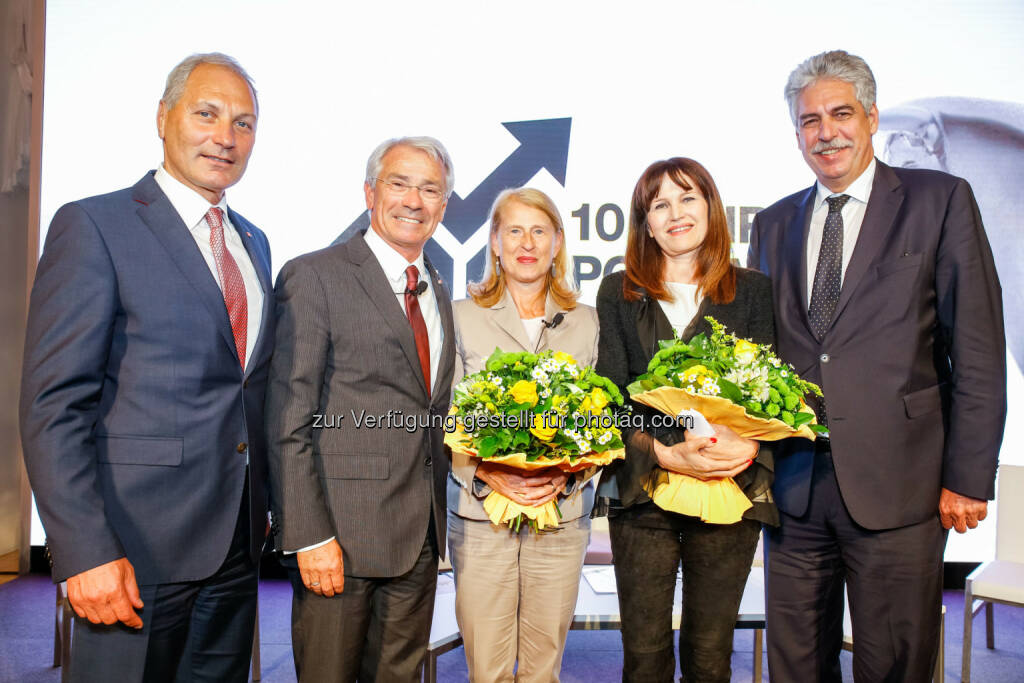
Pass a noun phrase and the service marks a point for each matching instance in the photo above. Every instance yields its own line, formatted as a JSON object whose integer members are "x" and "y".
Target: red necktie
{"x": 231, "y": 283}
{"x": 419, "y": 327}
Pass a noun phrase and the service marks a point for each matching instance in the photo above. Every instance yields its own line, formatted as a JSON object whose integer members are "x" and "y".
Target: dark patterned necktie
{"x": 419, "y": 327}
{"x": 231, "y": 283}
{"x": 828, "y": 276}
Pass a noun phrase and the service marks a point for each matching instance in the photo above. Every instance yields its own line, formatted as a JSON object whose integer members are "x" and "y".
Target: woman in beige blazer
{"x": 516, "y": 592}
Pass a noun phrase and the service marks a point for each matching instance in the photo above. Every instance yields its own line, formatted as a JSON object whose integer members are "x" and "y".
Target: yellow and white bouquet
{"x": 732, "y": 382}
{"x": 533, "y": 411}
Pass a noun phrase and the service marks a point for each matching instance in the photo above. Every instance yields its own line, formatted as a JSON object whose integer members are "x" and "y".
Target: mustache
{"x": 831, "y": 145}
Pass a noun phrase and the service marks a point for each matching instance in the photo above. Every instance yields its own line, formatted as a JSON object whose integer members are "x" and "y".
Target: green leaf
{"x": 488, "y": 447}
{"x": 729, "y": 390}
{"x": 800, "y": 419}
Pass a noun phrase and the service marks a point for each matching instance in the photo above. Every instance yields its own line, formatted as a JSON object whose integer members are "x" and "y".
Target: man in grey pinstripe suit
{"x": 358, "y": 493}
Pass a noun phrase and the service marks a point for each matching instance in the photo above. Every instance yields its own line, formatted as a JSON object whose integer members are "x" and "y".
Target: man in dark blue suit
{"x": 149, "y": 339}
{"x": 886, "y": 295}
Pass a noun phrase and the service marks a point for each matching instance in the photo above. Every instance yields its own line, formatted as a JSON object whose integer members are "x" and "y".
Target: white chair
{"x": 1002, "y": 579}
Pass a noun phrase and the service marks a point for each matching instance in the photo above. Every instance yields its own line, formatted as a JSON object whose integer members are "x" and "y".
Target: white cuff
{"x": 308, "y": 547}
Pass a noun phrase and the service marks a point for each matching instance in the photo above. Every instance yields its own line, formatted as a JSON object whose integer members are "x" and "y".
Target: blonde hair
{"x": 491, "y": 288}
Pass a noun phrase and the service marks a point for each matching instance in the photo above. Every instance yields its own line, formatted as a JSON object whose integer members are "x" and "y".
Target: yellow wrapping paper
{"x": 718, "y": 410}
{"x": 501, "y": 510}
{"x": 715, "y": 501}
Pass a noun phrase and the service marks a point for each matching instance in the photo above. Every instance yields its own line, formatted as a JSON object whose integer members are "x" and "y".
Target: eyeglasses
{"x": 397, "y": 187}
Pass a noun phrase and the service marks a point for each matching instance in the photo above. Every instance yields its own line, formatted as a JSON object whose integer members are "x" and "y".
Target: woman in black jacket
{"x": 678, "y": 270}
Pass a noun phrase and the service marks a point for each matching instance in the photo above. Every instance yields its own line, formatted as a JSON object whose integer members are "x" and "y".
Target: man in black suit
{"x": 885, "y": 294}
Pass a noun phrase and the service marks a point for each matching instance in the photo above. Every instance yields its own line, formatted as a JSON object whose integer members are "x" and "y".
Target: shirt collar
{"x": 393, "y": 263}
{"x": 189, "y": 204}
{"x": 859, "y": 189}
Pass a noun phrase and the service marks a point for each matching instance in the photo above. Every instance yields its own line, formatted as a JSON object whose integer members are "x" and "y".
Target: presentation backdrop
{"x": 573, "y": 98}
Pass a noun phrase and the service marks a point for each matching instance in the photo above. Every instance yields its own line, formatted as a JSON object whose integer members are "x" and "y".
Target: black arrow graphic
{"x": 543, "y": 143}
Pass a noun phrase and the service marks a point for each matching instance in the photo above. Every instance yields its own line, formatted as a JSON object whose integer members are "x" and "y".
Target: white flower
{"x": 604, "y": 438}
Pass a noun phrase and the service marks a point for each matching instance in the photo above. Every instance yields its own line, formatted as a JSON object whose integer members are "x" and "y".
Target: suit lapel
{"x": 157, "y": 213}
{"x": 794, "y": 253}
{"x": 375, "y": 283}
{"x": 506, "y": 317}
{"x": 261, "y": 265}
{"x": 883, "y": 204}
{"x": 446, "y": 364}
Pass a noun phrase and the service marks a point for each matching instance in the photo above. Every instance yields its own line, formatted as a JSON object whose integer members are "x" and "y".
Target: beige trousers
{"x": 515, "y": 595}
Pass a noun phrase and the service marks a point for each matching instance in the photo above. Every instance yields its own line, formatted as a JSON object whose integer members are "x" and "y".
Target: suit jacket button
{"x": 241, "y": 448}
{"x": 426, "y": 461}
{"x": 245, "y": 384}
{"x": 823, "y": 358}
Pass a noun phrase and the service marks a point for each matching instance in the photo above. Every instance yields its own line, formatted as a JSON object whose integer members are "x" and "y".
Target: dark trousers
{"x": 648, "y": 544}
{"x": 893, "y": 578}
{"x": 376, "y": 629}
{"x": 192, "y": 631}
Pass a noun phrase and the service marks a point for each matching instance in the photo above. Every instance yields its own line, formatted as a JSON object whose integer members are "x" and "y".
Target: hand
{"x": 557, "y": 485}
{"x": 524, "y": 488}
{"x": 727, "y": 443}
{"x": 961, "y": 512}
{"x": 107, "y": 594}
{"x": 322, "y": 569}
{"x": 694, "y": 458}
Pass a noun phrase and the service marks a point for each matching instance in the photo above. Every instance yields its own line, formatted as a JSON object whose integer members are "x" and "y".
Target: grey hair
{"x": 431, "y": 146}
{"x": 839, "y": 65}
{"x": 176, "y": 80}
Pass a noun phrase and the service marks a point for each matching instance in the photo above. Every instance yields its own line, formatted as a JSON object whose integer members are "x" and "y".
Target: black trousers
{"x": 893, "y": 578}
{"x": 192, "y": 631}
{"x": 649, "y": 544}
{"x": 376, "y": 629}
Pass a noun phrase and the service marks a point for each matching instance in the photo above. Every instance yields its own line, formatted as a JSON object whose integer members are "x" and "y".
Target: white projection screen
{"x": 575, "y": 98}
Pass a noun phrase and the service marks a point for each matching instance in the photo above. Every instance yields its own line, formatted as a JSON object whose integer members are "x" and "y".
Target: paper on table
{"x": 601, "y": 579}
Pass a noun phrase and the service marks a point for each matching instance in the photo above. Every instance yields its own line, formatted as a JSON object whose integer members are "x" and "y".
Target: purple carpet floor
{"x": 27, "y": 615}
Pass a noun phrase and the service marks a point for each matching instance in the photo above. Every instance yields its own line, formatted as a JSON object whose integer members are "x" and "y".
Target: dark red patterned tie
{"x": 419, "y": 327}
{"x": 231, "y": 283}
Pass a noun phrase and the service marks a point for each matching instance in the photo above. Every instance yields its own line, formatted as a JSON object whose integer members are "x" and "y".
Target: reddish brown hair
{"x": 645, "y": 262}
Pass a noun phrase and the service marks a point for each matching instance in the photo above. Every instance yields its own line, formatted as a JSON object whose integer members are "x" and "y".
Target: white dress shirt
{"x": 682, "y": 308}
{"x": 853, "y": 215}
{"x": 192, "y": 208}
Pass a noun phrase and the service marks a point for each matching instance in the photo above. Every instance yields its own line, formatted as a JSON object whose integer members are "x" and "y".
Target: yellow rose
{"x": 693, "y": 373}
{"x": 524, "y": 392}
{"x": 563, "y": 356}
{"x": 744, "y": 351}
{"x": 598, "y": 399}
{"x": 540, "y": 431}
{"x": 585, "y": 406}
